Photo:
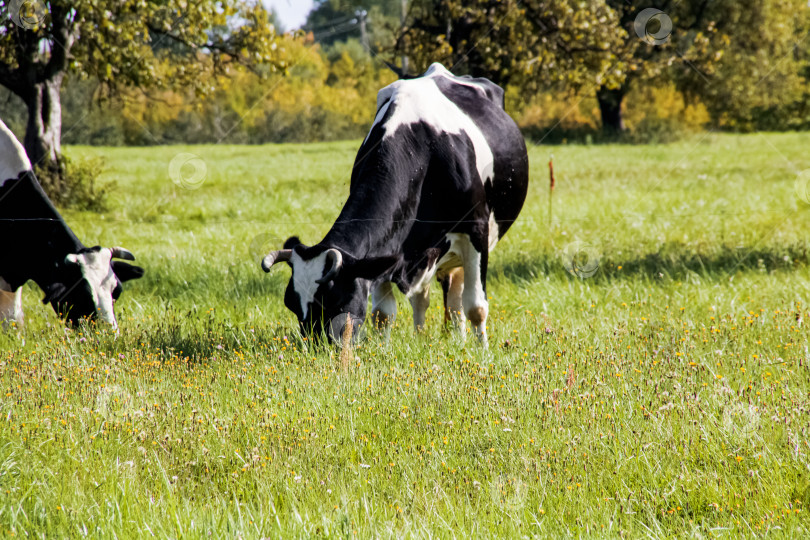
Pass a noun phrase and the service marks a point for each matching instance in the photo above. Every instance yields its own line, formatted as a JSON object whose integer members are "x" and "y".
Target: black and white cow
{"x": 37, "y": 244}
{"x": 440, "y": 178}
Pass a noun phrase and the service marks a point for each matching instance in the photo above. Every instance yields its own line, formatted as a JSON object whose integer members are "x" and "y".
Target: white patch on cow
{"x": 420, "y": 100}
{"x": 96, "y": 269}
{"x": 452, "y": 259}
{"x": 423, "y": 281}
{"x": 305, "y": 276}
{"x": 380, "y": 114}
{"x": 494, "y": 232}
{"x": 13, "y": 159}
{"x": 384, "y": 307}
{"x": 463, "y": 253}
{"x": 10, "y": 304}
{"x": 420, "y": 302}
{"x": 438, "y": 70}
{"x": 419, "y": 296}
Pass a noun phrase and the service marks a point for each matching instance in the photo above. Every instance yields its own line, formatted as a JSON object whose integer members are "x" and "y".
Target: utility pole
{"x": 362, "y": 15}
{"x": 404, "y": 20}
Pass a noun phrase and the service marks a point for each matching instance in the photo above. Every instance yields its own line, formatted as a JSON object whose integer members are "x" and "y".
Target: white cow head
{"x": 328, "y": 286}
{"x": 90, "y": 282}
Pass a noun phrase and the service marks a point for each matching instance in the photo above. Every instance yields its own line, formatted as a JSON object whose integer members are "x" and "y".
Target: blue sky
{"x": 292, "y": 13}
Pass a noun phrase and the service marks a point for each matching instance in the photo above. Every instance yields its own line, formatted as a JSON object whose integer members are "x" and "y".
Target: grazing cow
{"x": 36, "y": 243}
{"x": 440, "y": 178}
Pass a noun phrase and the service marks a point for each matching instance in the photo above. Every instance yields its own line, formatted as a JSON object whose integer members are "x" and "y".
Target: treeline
{"x": 749, "y": 72}
{"x": 325, "y": 95}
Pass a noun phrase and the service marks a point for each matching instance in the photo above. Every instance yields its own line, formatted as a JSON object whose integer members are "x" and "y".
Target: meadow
{"x": 663, "y": 392}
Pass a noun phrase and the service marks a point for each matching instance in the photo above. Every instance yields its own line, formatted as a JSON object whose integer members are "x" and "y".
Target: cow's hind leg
{"x": 383, "y": 308}
{"x": 453, "y": 287}
{"x": 10, "y": 305}
{"x": 474, "y": 295}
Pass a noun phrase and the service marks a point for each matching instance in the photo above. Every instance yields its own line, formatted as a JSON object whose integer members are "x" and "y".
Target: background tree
{"x": 533, "y": 43}
{"x": 606, "y": 46}
{"x": 336, "y": 21}
{"x": 761, "y": 80}
{"x": 121, "y": 43}
{"x": 702, "y": 46}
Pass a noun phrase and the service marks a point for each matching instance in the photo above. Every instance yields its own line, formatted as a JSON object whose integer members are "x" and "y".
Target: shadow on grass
{"x": 671, "y": 262}
{"x": 194, "y": 335}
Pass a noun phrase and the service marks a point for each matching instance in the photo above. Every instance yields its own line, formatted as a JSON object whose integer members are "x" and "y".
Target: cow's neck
{"x": 34, "y": 238}
{"x": 382, "y": 204}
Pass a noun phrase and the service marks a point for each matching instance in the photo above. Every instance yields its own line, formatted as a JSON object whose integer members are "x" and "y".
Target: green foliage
{"x": 336, "y": 21}
{"x": 76, "y": 185}
{"x": 667, "y": 393}
{"x": 533, "y": 42}
{"x": 325, "y": 95}
{"x": 746, "y": 61}
{"x": 762, "y": 79}
{"x": 139, "y": 43}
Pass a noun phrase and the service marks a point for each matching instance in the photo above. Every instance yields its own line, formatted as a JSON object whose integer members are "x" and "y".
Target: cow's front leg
{"x": 474, "y": 296}
{"x": 383, "y": 308}
{"x": 10, "y": 305}
{"x": 420, "y": 302}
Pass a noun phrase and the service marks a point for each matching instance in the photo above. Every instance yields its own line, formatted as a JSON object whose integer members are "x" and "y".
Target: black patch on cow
{"x": 126, "y": 272}
{"x": 292, "y": 242}
{"x": 409, "y": 190}
{"x": 34, "y": 242}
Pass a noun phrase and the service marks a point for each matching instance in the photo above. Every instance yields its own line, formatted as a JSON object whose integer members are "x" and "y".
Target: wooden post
{"x": 403, "y": 21}
{"x": 551, "y": 183}
{"x": 362, "y": 14}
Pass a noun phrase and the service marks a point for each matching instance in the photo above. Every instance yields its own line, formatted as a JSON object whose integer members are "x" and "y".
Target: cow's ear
{"x": 292, "y": 242}
{"x": 126, "y": 272}
{"x": 374, "y": 267}
{"x": 54, "y": 292}
{"x": 72, "y": 258}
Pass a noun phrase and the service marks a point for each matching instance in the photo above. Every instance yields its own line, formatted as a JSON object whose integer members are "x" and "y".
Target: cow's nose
{"x": 339, "y": 328}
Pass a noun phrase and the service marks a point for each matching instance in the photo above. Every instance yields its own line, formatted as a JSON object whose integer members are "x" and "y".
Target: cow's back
{"x": 483, "y": 102}
{"x": 431, "y": 113}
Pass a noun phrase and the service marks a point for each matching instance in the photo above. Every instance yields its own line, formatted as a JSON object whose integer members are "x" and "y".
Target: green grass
{"x": 667, "y": 395}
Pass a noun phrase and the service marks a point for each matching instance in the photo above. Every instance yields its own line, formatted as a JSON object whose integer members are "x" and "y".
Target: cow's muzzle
{"x": 345, "y": 326}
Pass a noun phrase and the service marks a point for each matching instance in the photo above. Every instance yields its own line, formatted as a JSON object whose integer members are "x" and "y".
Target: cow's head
{"x": 89, "y": 283}
{"x": 328, "y": 286}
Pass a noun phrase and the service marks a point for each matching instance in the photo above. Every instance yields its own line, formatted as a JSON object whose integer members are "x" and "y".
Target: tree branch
{"x": 62, "y": 42}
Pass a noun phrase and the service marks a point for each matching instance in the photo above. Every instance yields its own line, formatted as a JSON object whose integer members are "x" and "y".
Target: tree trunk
{"x": 610, "y": 105}
{"x": 43, "y": 132}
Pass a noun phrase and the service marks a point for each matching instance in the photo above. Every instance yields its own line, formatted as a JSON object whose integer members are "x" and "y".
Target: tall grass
{"x": 667, "y": 395}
